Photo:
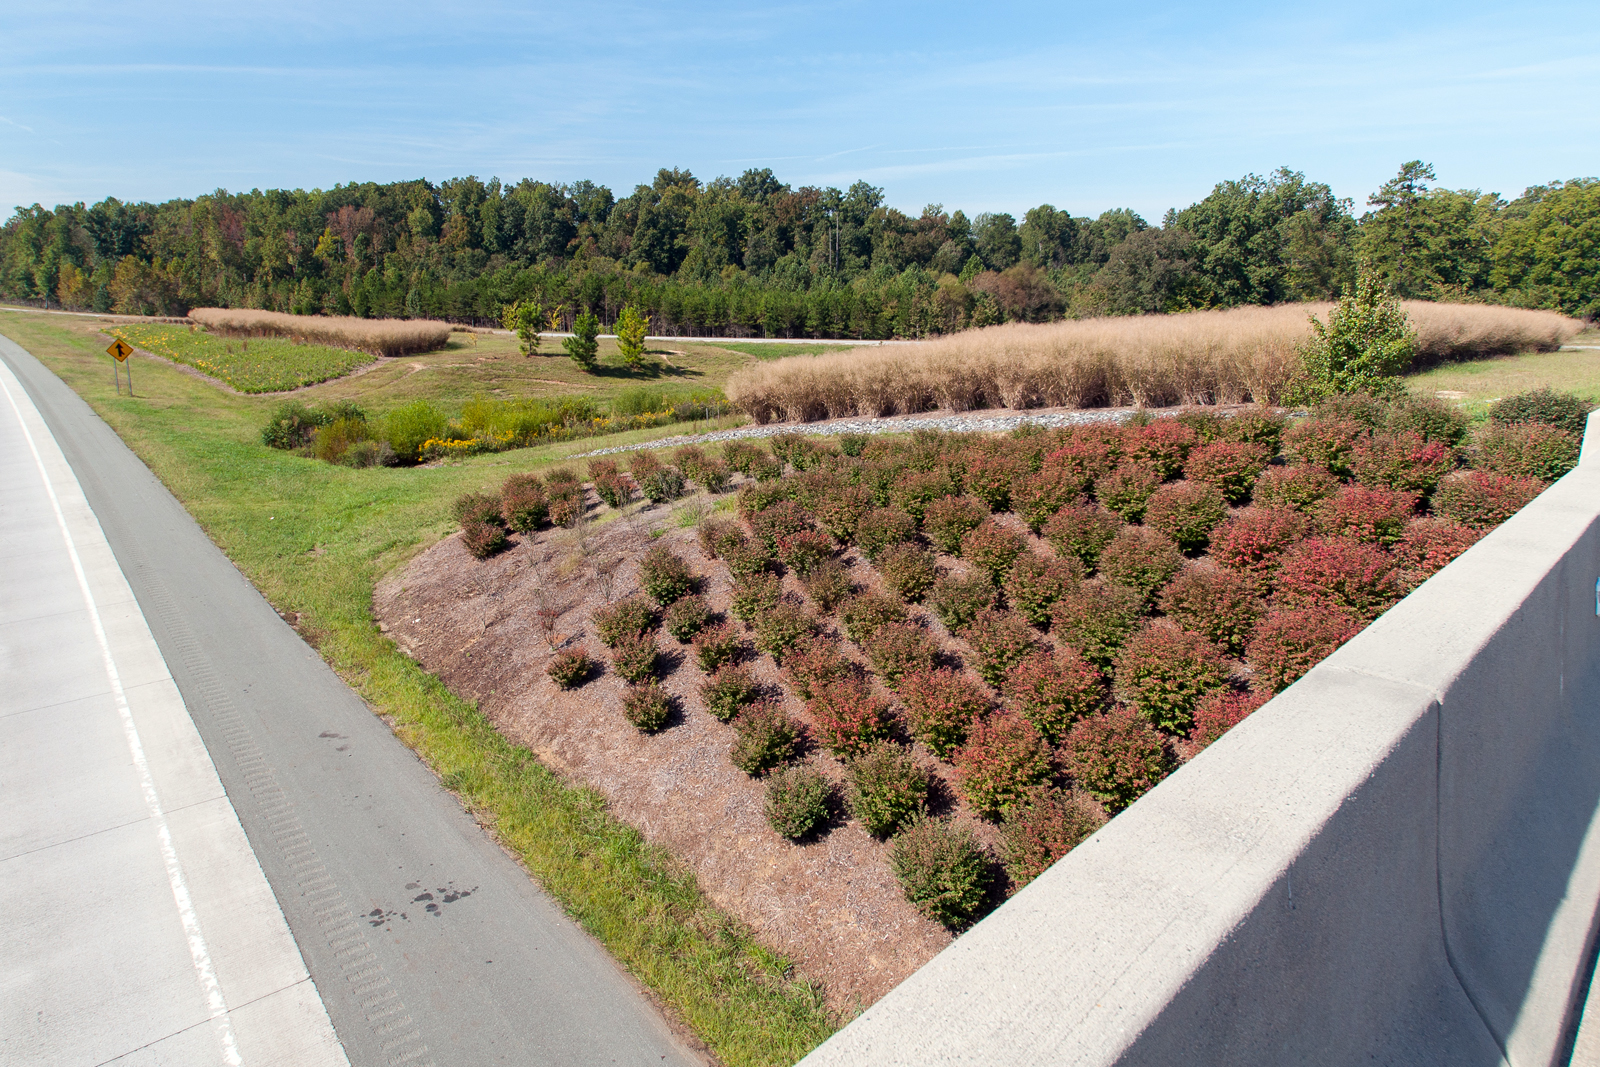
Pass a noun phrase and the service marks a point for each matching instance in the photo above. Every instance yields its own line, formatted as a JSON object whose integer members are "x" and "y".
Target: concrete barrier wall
{"x": 1395, "y": 861}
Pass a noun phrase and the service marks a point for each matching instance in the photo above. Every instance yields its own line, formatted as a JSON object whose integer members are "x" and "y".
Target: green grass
{"x": 776, "y": 351}
{"x": 256, "y": 365}
{"x": 315, "y": 538}
{"x": 1476, "y": 384}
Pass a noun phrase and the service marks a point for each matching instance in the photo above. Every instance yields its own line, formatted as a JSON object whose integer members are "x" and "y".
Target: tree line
{"x": 752, "y": 256}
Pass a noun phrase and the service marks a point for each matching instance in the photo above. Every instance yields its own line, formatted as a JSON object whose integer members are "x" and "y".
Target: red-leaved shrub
{"x": 1287, "y": 643}
{"x": 940, "y": 707}
{"x": 949, "y": 518}
{"x": 990, "y": 475}
{"x": 1036, "y": 497}
{"x": 1186, "y": 512}
{"x": 1096, "y": 617}
{"x": 992, "y": 546}
{"x": 899, "y": 648}
{"x": 840, "y": 511}
{"x": 1127, "y": 489}
{"x": 1003, "y": 758}
{"x": 882, "y": 527}
{"x": 1035, "y": 583}
{"x": 1088, "y": 451}
{"x": 1221, "y": 604}
{"x": 1115, "y": 757}
{"x": 814, "y": 663}
{"x": 1296, "y": 487}
{"x": 1053, "y": 690}
{"x": 1483, "y": 499}
{"x": 1252, "y": 541}
{"x": 781, "y": 519}
{"x": 917, "y": 489}
{"x": 850, "y": 718}
{"x": 999, "y": 640}
{"x": 1231, "y": 466}
{"x": 1164, "y": 671}
{"x": 482, "y": 539}
{"x": 1325, "y": 443}
{"x": 1082, "y": 530}
{"x": 1376, "y": 516}
{"x": 1042, "y": 828}
{"x": 805, "y": 550}
{"x": 1403, "y": 461}
{"x": 1221, "y": 711}
{"x": 1141, "y": 558}
{"x": 908, "y": 569}
{"x": 1341, "y": 574}
{"x": 1162, "y": 446}
{"x": 1428, "y": 544}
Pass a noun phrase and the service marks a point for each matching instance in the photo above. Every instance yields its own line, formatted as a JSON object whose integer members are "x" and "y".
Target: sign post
{"x": 121, "y": 350}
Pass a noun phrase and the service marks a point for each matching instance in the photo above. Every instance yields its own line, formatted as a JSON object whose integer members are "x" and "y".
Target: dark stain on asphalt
{"x": 447, "y": 894}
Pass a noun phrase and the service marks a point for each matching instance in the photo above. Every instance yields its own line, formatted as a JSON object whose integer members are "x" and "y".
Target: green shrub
{"x": 764, "y": 738}
{"x": 1042, "y": 828}
{"x": 1115, "y": 757}
{"x": 1000, "y": 640}
{"x": 940, "y": 706}
{"x": 1053, "y": 690}
{"x": 781, "y": 627}
{"x": 1082, "y": 530}
{"x": 1141, "y": 558}
{"x": 1035, "y": 583}
{"x": 1187, "y": 512}
{"x": 899, "y": 648}
{"x": 1365, "y": 345}
{"x": 717, "y": 534}
{"x": 1096, "y": 618}
{"x": 716, "y": 645}
{"x": 907, "y": 569}
{"x": 729, "y": 690}
{"x": 778, "y": 521}
{"x": 1003, "y": 758}
{"x": 1218, "y": 603}
{"x": 849, "y": 717}
{"x": 799, "y": 801}
{"x": 686, "y": 617}
{"x": 865, "y": 614}
{"x": 851, "y": 444}
{"x": 1127, "y": 489}
{"x": 570, "y": 669}
{"x": 943, "y": 870}
{"x": 407, "y": 428}
{"x": 522, "y": 504}
{"x": 333, "y": 441}
{"x": 917, "y": 489}
{"x": 828, "y": 585}
{"x": 840, "y": 512}
{"x": 292, "y": 425}
{"x": 1527, "y": 450}
{"x": 1325, "y": 442}
{"x": 881, "y": 528}
{"x": 1164, "y": 672}
{"x": 1297, "y": 487}
{"x": 625, "y": 619}
{"x": 1035, "y": 498}
{"x": 746, "y": 559}
{"x": 664, "y": 576}
{"x": 989, "y": 477}
{"x": 885, "y": 788}
{"x": 992, "y": 547}
{"x": 1432, "y": 418}
{"x": 957, "y": 599}
{"x": 482, "y": 539}
{"x": 1231, "y": 466}
{"x": 1257, "y": 426}
{"x": 946, "y": 521}
{"x": 1564, "y": 411}
{"x": 476, "y": 507}
{"x": 647, "y": 706}
{"x": 634, "y": 658}
{"x": 755, "y": 595}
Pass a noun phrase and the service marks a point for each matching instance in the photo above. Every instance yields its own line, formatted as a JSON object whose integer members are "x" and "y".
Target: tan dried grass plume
{"x": 378, "y": 337}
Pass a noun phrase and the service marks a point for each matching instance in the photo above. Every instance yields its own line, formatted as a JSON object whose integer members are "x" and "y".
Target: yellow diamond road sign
{"x": 121, "y": 349}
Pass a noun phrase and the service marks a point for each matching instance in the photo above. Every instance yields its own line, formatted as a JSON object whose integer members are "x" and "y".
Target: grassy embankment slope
{"x": 314, "y": 538}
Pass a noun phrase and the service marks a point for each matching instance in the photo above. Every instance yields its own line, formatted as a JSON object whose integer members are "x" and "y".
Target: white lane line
{"x": 199, "y": 953}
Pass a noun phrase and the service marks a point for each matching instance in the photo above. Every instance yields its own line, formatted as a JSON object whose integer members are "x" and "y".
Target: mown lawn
{"x": 314, "y": 538}
{"x": 1480, "y": 382}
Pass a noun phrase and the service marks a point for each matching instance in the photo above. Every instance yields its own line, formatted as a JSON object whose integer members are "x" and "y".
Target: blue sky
{"x": 998, "y": 106}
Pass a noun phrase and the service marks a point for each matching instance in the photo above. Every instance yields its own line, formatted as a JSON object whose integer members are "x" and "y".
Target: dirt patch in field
{"x": 831, "y": 905}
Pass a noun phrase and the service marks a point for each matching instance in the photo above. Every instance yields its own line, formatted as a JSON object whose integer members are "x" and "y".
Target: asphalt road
{"x": 427, "y": 943}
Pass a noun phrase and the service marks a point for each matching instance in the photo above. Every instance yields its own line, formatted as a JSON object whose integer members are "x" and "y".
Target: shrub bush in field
{"x": 1564, "y": 411}
{"x": 613, "y": 488}
{"x": 1429, "y": 416}
{"x": 564, "y": 499}
{"x": 882, "y": 527}
{"x": 1043, "y": 828}
{"x": 1127, "y": 489}
{"x": 729, "y": 690}
{"x": 850, "y": 718}
{"x": 523, "y": 507}
{"x": 1362, "y": 408}
{"x": 748, "y": 458}
{"x": 1404, "y": 461}
{"x": 992, "y": 547}
{"x": 1258, "y": 427}
{"x": 1220, "y": 604}
{"x": 716, "y": 645}
{"x": 815, "y": 663}
{"x": 1483, "y": 499}
{"x": 646, "y": 706}
{"x": 476, "y": 507}
{"x": 1053, "y": 690}
{"x": 1206, "y": 425}
{"x": 686, "y": 617}
{"x": 1187, "y": 512}
{"x": 1221, "y": 711}
{"x": 1163, "y": 672}
{"x": 1162, "y": 446}
{"x": 754, "y": 596}
{"x": 805, "y": 550}
{"x": 863, "y": 615}
{"x": 1296, "y": 488}
{"x": 1527, "y": 450}
{"x": 1252, "y": 541}
{"x": 1036, "y": 497}
{"x": 839, "y": 512}
{"x": 1096, "y": 618}
{"x": 1036, "y": 583}
{"x": 664, "y": 576}
{"x": 661, "y": 485}
{"x": 947, "y": 520}
{"x": 886, "y": 789}
{"x": 1141, "y": 558}
{"x": 957, "y": 599}
{"x": 716, "y": 535}
{"x": 1000, "y": 640}
{"x": 778, "y": 521}
{"x": 764, "y": 738}
{"x": 1287, "y": 643}
{"x": 570, "y": 669}
{"x": 1376, "y": 516}
{"x": 1340, "y": 574}
{"x": 754, "y": 499}
{"x": 799, "y": 801}
{"x": 1082, "y": 530}
{"x": 989, "y": 477}
{"x": 940, "y": 707}
{"x": 623, "y": 620}
{"x": 943, "y": 870}
{"x": 1115, "y": 757}
{"x": 1325, "y": 443}
{"x": 907, "y": 569}
{"x": 746, "y": 558}
{"x": 917, "y": 489}
{"x": 1089, "y": 451}
{"x": 634, "y": 658}
{"x": 482, "y": 539}
{"x": 1428, "y": 544}
{"x": 778, "y": 630}
{"x": 1231, "y": 466}
{"x": 828, "y": 585}
{"x": 899, "y": 648}
{"x": 1003, "y": 758}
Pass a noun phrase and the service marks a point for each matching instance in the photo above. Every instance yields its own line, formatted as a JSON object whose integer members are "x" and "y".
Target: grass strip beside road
{"x": 314, "y": 539}
{"x": 250, "y": 365}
